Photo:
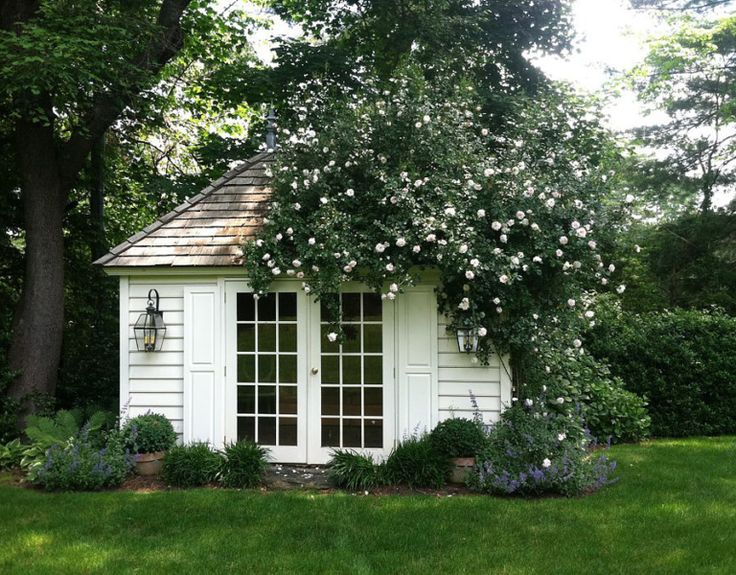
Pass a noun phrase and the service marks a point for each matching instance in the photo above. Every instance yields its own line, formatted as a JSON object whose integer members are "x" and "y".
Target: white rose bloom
{"x": 484, "y": 132}
{"x": 575, "y": 225}
{"x": 276, "y": 271}
{"x": 464, "y": 304}
{"x": 503, "y": 238}
{"x": 296, "y": 263}
{"x": 496, "y": 300}
{"x": 259, "y": 243}
{"x": 629, "y": 198}
{"x": 279, "y": 237}
{"x": 389, "y": 267}
{"x": 621, "y": 289}
{"x": 311, "y": 241}
{"x": 300, "y": 275}
{"x": 380, "y": 248}
{"x": 289, "y": 231}
{"x": 558, "y": 253}
{"x": 520, "y": 215}
{"x": 504, "y": 279}
{"x": 561, "y": 436}
{"x": 463, "y": 249}
{"x": 266, "y": 257}
{"x": 332, "y": 336}
{"x": 592, "y": 244}
{"x": 418, "y": 125}
{"x": 589, "y": 314}
{"x": 401, "y": 242}
{"x": 612, "y": 268}
{"x": 481, "y": 213}
{"x": 450, "y": 211}
{"x": 535, "y": 226}
{"x": 393, "y": 287}
{"x": 350, "y": 192}
{"x": 537, "y": 260}
{"x": 482, "y": 332}
{"x": 563, "y": 240}
{"x": 560, "y": 400}
{"x": 571, "y": 302}
{"x": 323, "y": 200}
{"x": 496, "y": 226}
{"x": 604, "y": 281}
{"x": 581, "y": 232}
{"x": 488, "y": 172}
{"x": 546, "y": 463}
{"x": 416, "y": 249}
{"x": 391, "y": 296}
{"x": 470, "y": 275}
{"x": 577, "y": 343}
{"x": 431, "y": 238}
{"x": 550, "y": 203}
{"x": 499, "y": 309}
{"x": 475, "y": 262}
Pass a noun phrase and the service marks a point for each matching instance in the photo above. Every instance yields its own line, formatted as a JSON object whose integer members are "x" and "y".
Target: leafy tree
{"x": 70, "y": 72}
{"x": 691, "y": 76}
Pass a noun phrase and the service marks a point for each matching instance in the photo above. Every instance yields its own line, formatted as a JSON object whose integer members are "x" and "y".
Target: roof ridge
{"x": 206, "y": 192}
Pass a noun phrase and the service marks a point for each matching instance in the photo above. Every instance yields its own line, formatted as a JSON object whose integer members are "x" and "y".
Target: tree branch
{"x": 108, "y": 106}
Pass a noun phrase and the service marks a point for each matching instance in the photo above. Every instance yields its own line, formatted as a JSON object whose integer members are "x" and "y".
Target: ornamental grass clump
{"x": 416, "y": 463}
{"x": 351, "y": 470}
{"x": 535, "y": 451}
{"x": 191, "y": 465}
{"x": 244, "y": 465}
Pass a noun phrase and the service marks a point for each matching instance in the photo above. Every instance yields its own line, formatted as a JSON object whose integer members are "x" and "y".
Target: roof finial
{"x": 271, "y": 130}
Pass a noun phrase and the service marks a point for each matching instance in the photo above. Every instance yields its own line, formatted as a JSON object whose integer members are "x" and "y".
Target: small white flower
{"x": 520, "y": 215}
{"x": 590, "y": 314}
{"x": 463, "y": 249}
{"x": 571, "y": 302}
{"x": 612, "y": 268}
{"x": 464, "y": 304}
{"x": 475, "y": 262}
{"x": 504, "y": 279}
{"x": 496, "y": 225}
{"x": 350, "y": 192}
{"x": 332, "y": 336}
{"x": 577, "y": 343}
{"x": 323, "y": 200}
{"x": 426, "y": 119}
{"x": 431, "y": 238}
{"x": 450, "y": 211}
{"x": 279, "y": 237}
{"x": 592, "y": 244}
{"x": 528, "y": 402}
{"x": 380, "y": 248}
{"x": 558, "y": 253}
{"x": 537, "y": 260}
{"x": 629, "y": 198}
{"x": 311, "y": 241}
{"x": 499, "y": 309}
{"x": 535, "y": 226}
{"x": 401, "y": 242}
{"x": 418, "y": 125}
{"x": 550, "y": 203}
{"x": 393, "y": 287}
{"x": 621, "y": 289}
{"x": 391, "y": 296}
{"x": 560, "y": 400}
{"x": 637, "y": 248}
{"x": 259, "y": 243}
{"x": 546, "y": 463}
{"x": 496, "y": 300}
{"x": 481, "y": 213}
{"x": 488, "y": 172}
{"x": 563, "y": 240}
{"x": 416, "y": 249}
{"x": 482, "y": 332}
{"x": 470, "y": 275}
{"x": 389, "y": 267}
{"x": 276, "y": 271}
{"x": 561, "y": 436}
{"x": 266, "y": 257}
{"x": 296, "y": 263}
{"x": 503, "y": 238}
{"x": 581, "y": 232}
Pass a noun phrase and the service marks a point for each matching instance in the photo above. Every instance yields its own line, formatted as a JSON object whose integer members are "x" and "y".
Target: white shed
{"x": 232, "y": 368}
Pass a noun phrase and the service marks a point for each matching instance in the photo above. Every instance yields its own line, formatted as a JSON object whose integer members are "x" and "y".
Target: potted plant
{"x": 149, "y": 436}
{"x": 459, "y": 440}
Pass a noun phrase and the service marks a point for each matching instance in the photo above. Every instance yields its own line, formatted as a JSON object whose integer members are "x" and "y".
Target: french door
{"x": 291, "y": 389}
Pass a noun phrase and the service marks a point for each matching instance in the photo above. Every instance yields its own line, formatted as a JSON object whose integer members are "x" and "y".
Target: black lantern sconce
{"x": 467, "y": 340}
{"x": 150, "y": 328}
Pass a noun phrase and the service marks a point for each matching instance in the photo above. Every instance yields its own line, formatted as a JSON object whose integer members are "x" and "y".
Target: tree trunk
{"x": 39, "y": 322}
{"x": 98, "y": 245}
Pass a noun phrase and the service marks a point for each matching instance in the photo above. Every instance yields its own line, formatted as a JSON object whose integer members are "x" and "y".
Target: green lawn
{"x": 673, "y": 511}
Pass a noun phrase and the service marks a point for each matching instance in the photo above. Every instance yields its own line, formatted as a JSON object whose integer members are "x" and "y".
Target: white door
{"x": 292, "y": 390}
{"x": 266, "y": 369}
{"x": 351, "y": 398}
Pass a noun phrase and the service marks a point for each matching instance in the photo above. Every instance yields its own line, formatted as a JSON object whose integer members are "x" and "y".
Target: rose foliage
{"x": 381, "y": 184}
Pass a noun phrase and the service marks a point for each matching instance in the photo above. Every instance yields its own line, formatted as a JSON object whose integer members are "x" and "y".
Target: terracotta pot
{"x": 149, "y": 463}
{"x": 461, "y": 467}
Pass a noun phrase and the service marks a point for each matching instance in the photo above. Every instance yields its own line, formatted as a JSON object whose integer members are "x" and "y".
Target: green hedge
{"x": 683, "y": 362}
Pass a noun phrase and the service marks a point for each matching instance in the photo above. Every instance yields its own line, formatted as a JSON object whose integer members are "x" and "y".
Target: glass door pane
{"x": 267, "y": 391}
{"x": 351, "y": 399}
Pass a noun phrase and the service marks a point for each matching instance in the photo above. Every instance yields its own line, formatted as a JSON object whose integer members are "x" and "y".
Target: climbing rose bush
{"x": 378, "y": 185}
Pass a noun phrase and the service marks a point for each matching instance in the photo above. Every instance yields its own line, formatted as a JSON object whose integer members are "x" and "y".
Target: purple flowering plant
{"x": 536, "y": 450}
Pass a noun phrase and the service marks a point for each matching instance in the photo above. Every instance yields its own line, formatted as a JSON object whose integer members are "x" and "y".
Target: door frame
{"x": 317, "y": 453}
{"x": 291, "y": 454}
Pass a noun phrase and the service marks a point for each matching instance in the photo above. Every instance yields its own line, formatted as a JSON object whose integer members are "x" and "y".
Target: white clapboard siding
{"x": 462, "y": 375}
{"x": 155, "y": 381}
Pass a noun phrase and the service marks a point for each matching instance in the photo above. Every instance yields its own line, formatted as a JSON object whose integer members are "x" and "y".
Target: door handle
{"x": 315, "y": 371}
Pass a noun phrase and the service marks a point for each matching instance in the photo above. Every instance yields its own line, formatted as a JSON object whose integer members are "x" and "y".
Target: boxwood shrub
{"x": 458, "y": 437}
{"x": 681, "y": 361}
{"x": 150, "y": 433}
{"x": 191, "y": 465}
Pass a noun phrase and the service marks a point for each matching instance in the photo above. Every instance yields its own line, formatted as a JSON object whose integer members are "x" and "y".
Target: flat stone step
{"x": 284, "y": 476}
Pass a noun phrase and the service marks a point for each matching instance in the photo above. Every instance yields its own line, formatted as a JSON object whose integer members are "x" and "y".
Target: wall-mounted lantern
{"x": 150, "y": 328}
{"x": 467, "y": 340}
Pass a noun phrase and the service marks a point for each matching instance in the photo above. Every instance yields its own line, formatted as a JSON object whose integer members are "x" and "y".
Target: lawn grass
{"x": 673, "y": 511}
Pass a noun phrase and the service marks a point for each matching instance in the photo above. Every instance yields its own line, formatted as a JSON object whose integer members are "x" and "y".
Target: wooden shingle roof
{"x": 206, "y": 230}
